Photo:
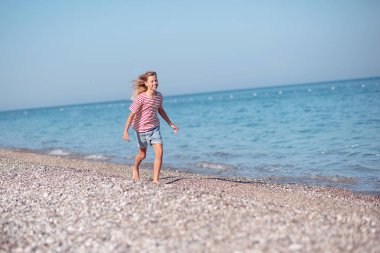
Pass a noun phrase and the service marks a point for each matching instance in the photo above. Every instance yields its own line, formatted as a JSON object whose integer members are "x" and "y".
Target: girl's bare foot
{"x": 136, "y": 174}
{"x": 156, "y": 181}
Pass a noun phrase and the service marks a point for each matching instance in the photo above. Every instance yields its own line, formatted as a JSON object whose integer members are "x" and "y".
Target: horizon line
{"x": 196, "y": 93}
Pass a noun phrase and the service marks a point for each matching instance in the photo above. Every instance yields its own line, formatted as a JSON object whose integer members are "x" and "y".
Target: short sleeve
{"x": 136, "y": 104}
{"x": 162, "y": 101}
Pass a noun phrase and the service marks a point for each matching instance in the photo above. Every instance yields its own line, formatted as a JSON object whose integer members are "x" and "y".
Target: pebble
{"x": 74, "y": 206}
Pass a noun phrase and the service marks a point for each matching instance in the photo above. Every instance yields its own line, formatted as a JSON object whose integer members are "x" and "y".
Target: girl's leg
{"x": 141, "y": 155}
{"x": 158, "y": 150}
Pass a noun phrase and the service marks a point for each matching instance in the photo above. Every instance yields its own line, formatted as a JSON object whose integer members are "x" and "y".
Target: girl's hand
{"x": 126, "y": 136}
{"x": 176, "y": 130}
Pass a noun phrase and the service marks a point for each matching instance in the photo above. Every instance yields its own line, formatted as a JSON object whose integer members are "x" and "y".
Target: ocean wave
{"x": 49, "y": 142}
{"x": 314, "y": 180}
{"x": 269, "y": 168}
{"x": 336, "y": 179}
{"x": 96, "y": 157}
{"x": 223, "y": 154}
{"x": 362, "y": 168}
{"x": 59, "y": 152}
{"x": 215, "y": 166}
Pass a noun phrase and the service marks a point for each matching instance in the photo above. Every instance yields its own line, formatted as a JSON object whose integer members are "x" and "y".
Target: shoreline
{"x": 320, "y": 181}
{"x": 56, "y": 204}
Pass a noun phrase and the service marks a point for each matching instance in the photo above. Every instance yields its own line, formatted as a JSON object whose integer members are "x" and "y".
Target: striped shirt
{"x": 145, "y": 109}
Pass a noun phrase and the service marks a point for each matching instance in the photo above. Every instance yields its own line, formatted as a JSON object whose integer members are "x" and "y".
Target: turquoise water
{"x": 319, "y": 134}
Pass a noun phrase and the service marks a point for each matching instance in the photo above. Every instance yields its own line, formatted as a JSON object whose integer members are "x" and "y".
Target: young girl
{"x": 147, "y": 101}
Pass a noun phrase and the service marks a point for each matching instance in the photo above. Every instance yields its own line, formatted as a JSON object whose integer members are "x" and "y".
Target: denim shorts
{"x": 151, "y": 137}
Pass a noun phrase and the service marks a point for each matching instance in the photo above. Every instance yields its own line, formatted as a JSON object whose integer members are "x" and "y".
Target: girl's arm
{"x": 163, "y": 114}
{"x": 127, "y": 124}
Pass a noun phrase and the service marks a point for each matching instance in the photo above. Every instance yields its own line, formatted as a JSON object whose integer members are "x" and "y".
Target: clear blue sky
{"x": 64, "y": 52}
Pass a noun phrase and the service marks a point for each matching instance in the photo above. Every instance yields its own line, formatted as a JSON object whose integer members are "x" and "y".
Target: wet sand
{"x": 56, "y": 204}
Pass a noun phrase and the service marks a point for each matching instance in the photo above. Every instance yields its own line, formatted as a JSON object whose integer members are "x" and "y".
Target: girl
{"x": 147, "y": 101}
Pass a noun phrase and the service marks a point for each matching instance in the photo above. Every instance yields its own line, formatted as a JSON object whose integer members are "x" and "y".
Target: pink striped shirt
{"x": 145, "y": 109}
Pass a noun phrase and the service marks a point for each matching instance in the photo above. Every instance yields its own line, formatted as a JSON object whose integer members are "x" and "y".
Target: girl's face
{"x": 152, "y": 83}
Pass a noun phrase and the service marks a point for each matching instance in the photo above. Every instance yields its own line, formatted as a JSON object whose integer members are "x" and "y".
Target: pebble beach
{"x": 57, "y": 204}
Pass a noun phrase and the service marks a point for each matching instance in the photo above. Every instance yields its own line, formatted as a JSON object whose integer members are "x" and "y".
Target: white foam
{"x": 96, "y": 157}
{"x": 271, "y": 168}
{"x": 59, "y": 152}
{"x": 215, "y": 166}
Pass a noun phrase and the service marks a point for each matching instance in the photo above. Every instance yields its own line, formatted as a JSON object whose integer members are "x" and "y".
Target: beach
{"x": 57, "y": 204}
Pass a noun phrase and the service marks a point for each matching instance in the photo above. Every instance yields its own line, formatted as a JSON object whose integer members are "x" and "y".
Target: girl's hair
{"x": 139, "y": 84}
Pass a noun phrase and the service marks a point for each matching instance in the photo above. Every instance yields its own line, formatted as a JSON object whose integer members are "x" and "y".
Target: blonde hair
{"x": 139, "y": 84}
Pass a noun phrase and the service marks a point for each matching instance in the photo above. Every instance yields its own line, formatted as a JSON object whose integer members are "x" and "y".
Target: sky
{"x": 69, "y": 52}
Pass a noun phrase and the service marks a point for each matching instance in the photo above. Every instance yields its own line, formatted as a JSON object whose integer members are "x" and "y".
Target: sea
{"x": 321, "y": 134}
